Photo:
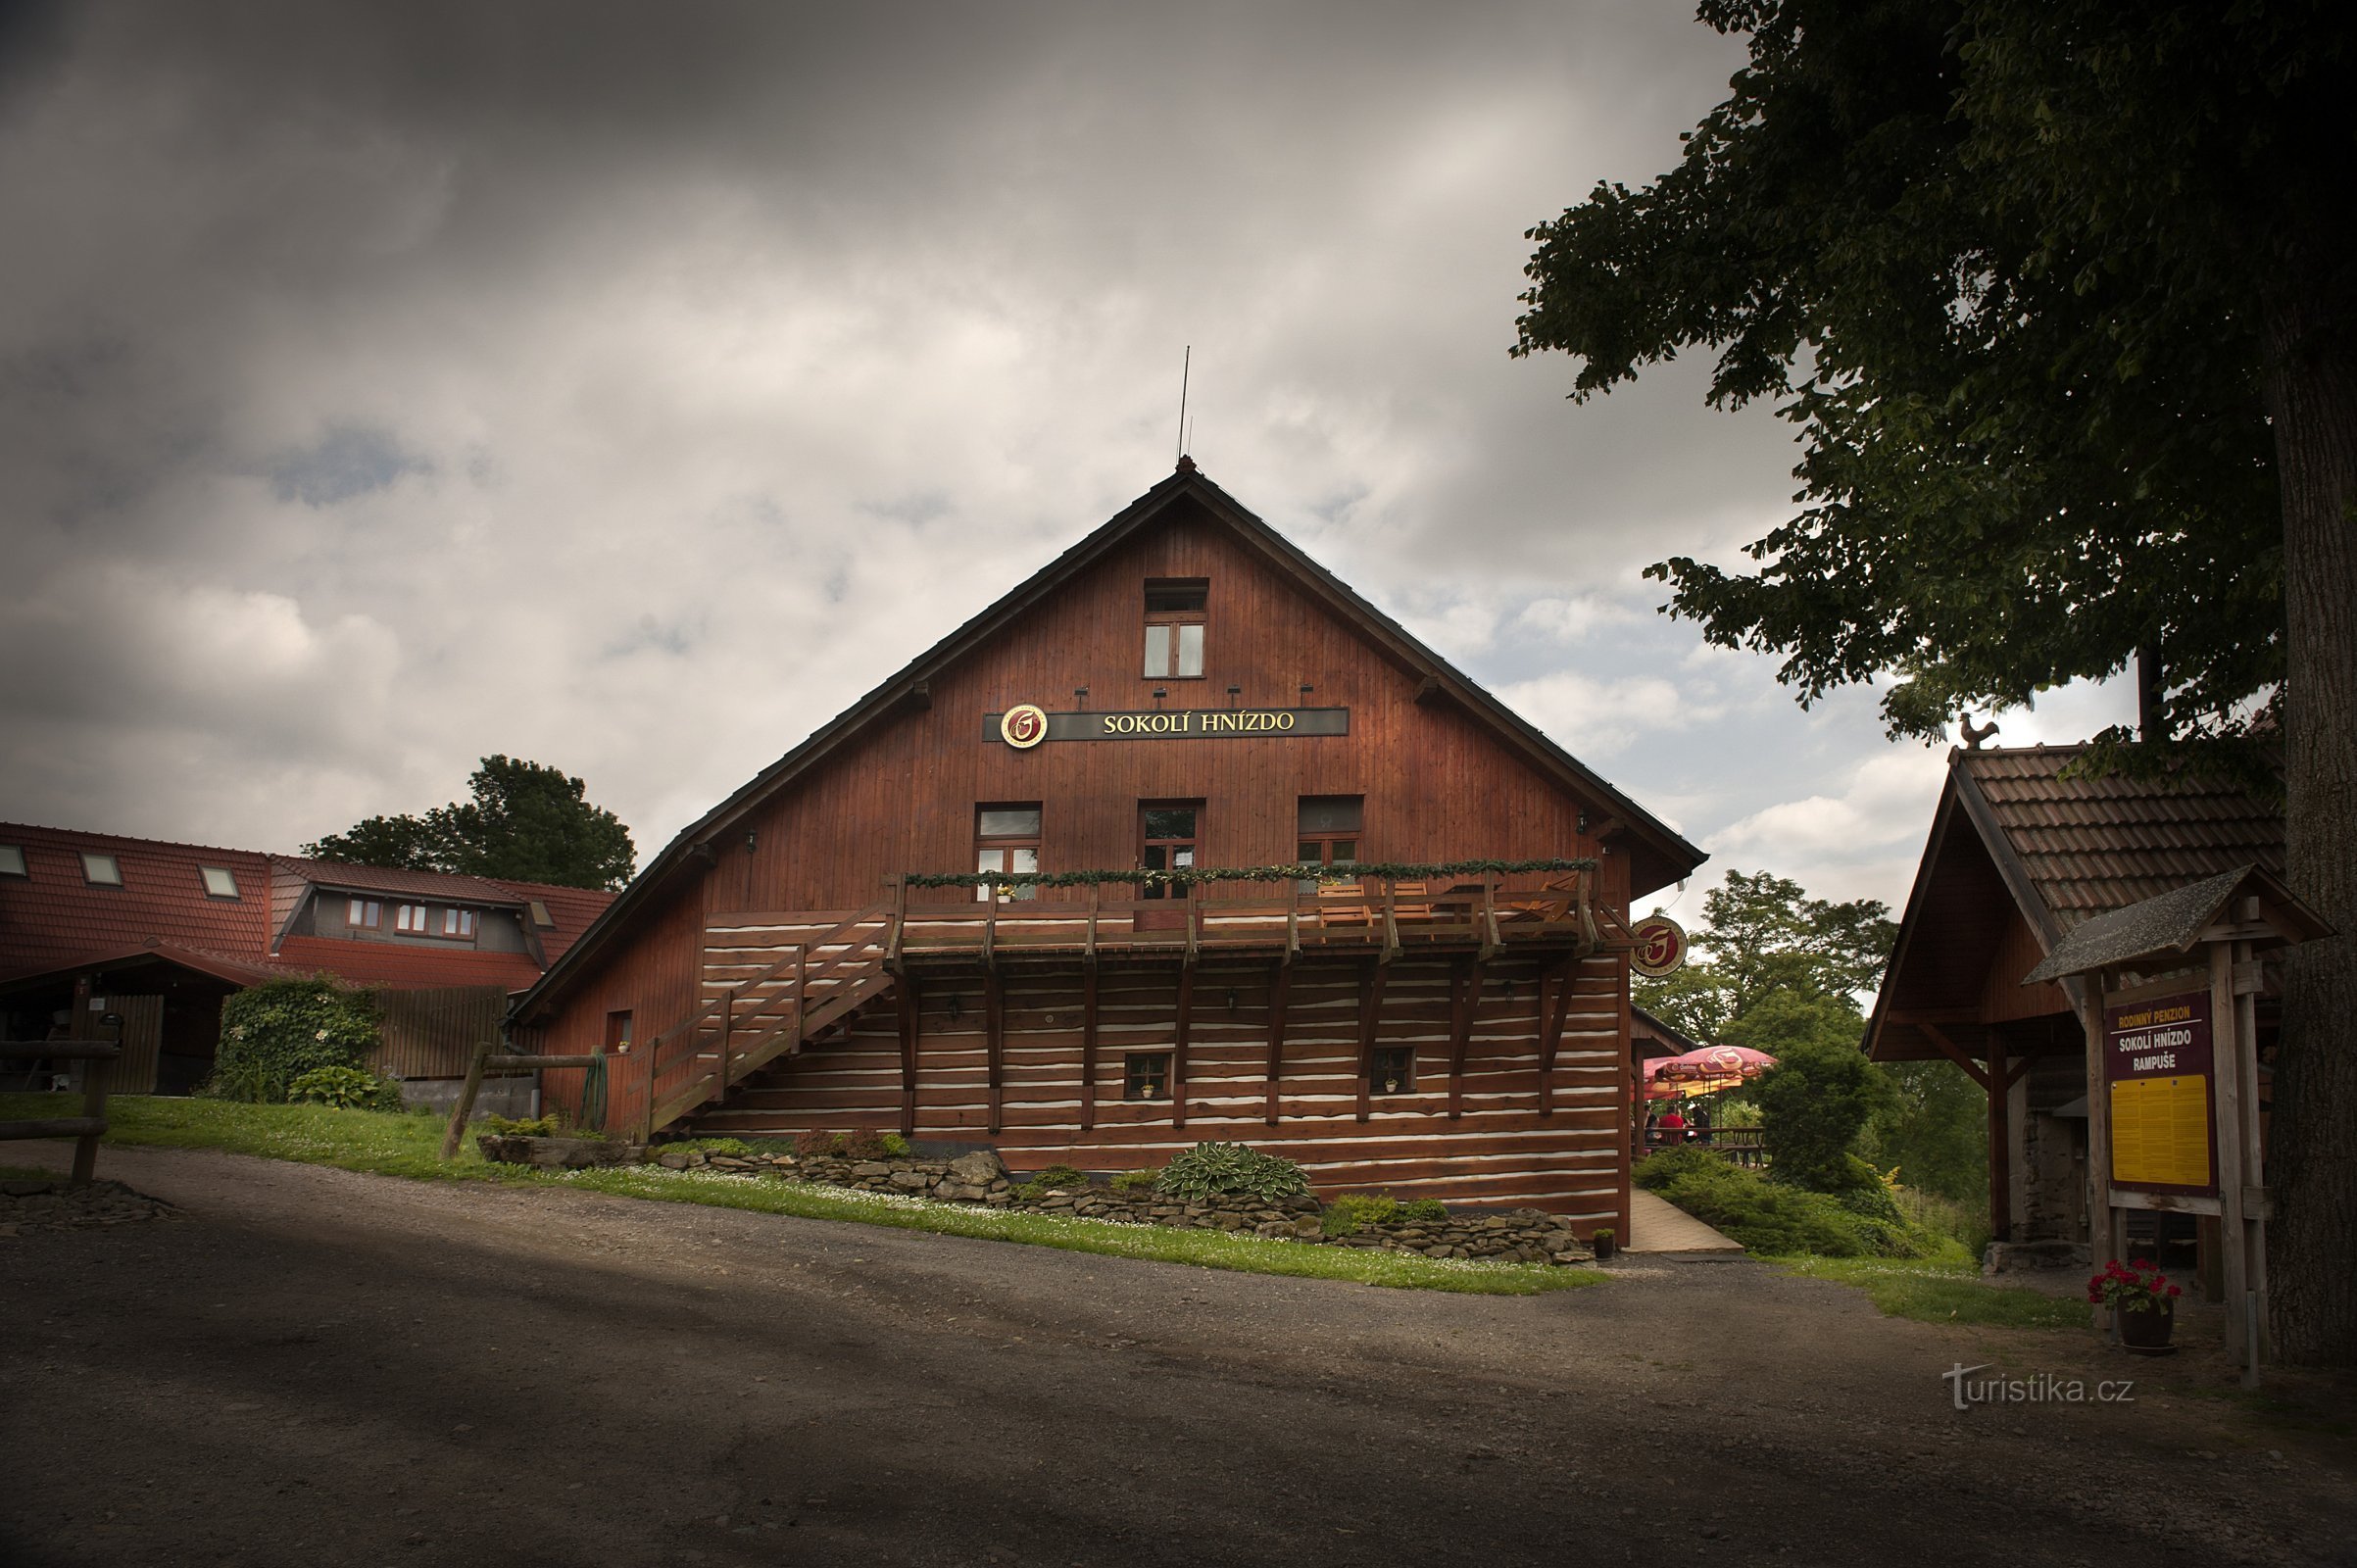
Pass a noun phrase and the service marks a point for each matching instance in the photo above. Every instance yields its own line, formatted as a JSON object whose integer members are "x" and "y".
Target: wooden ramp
{"x": 1658, "y": 1226}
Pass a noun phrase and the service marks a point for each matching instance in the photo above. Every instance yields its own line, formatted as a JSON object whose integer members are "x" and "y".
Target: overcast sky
{"x": 631, "y": 387}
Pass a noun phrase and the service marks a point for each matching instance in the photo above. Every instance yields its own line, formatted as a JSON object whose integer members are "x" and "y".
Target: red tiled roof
{"x": 2092, "y": 845}
{"x": 53, "y": 916}
{"x": 392, "y": 879}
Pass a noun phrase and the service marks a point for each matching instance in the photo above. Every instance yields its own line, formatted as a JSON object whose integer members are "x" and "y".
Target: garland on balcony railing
{"x": 1192, "y": 875}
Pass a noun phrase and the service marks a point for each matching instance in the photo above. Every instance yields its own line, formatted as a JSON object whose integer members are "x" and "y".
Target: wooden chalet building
{"x": 2019, "y": 856}
{"x": 1184, "y": 689}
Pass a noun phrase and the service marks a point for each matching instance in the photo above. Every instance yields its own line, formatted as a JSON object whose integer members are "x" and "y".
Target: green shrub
{"x": 523, "y": 1126}
{"x": 1061, "y": 1176}
{"x": 346, "y": 1089}
{"x": 895, "y": 1145}
{"x": 1231, "y": 1171}
{"x": 272, "y": 1034}
{"x": 1350, "y": 1211}
{"x": 1130, "y": 1181}
{"x": 1424, "y": 1208}
{"x": 722, "y": 1146}
{"x": 1031, "y": 1191}
{"x": 1776, "y": 1219}
{"x": 1814, "y": 1106}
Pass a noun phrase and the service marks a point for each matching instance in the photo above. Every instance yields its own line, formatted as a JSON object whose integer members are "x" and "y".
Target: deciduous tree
{"x": 525, "y": 822}
{"x": 2059, "y": 295}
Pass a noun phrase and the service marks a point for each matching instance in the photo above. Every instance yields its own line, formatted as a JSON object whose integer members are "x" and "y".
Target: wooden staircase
{"x": 771, "y": 986}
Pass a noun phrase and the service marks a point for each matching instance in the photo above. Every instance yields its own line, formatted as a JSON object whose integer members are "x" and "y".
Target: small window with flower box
{"x": 1394, "y": 1070}
{"x": 1146, "y": 1075}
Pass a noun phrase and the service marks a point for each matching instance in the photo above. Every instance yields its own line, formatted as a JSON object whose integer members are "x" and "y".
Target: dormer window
{"x": 1174, "y": 628}
{"x": 101, "y": 870}
{"x": 458, "y": 922}
{"x": 541, "y": 918}
{"x": 409, "y": 917}
{"x": 364, "y": 914}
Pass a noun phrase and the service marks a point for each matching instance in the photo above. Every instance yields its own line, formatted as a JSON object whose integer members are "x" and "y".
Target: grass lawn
{"x": 409, "y": 1146}
{"x": 1942, "y": 1291}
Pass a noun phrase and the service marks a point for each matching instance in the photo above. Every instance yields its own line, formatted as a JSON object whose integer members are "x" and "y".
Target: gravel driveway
{"x": 307, "y": 1366}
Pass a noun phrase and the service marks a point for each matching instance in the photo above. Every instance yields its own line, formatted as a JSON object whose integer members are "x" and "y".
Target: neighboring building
{"x": 1182, "y": 688}
{"x": 2019, "y": 857}
{"x": 159, "y": 933}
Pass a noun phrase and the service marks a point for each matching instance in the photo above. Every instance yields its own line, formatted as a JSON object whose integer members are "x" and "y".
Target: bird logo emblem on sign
{"x": 1023, "y": 726}
{"x": 1660, "y": 946}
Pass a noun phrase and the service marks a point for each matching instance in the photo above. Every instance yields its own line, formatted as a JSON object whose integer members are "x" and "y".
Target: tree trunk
{"x": 2311, "y": 379}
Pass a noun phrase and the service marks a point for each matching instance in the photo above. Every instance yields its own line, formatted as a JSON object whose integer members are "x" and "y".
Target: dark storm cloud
{"x": 429, "y": 379}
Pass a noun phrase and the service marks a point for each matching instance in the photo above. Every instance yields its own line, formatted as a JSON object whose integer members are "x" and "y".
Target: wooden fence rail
{"x": 88, "y": 1127}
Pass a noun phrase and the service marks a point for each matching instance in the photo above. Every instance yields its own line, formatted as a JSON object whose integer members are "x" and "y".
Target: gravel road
{"x": 306, "y": 1366}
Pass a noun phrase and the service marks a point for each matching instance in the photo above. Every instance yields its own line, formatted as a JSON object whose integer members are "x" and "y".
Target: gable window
{"x": 458, "y": 922}
{"x": 101, "y": 870}
{"x": 409, "y": 917}
{"x": 364, "y": 914}
{"x": 541, "y": 918}
{"x": 1328, "y": 828}
{"x": 220, "y": 881}
{"x": 617, "y": 1033}
{"x": 1167, "y": 842}
{"x": 12, "y": 860}
{"x": 1394, "y": 1070}
{"x": 1007, "y": 838}
{"x": 1174, "y": 628}
{"x": 1146, "y": 1075}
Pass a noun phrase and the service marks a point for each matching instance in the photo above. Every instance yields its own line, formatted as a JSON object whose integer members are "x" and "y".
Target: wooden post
{"x": 994, "y": 1039}
{"x": 1178, "y": 1051}
{"x": 1551, "y": 1032}
{"x": 2226, "y": 1080}
{"x": 1464, "y": 991}
{"x": 908, "y": 1003}
{"x": 2102, "y": 1229}
{"x": 465, "y": 1106}
{"x": 2000, "y": 1142}
{"x": 1280, "y": 992}
{"x": 1088, "y": 1031}
{"x": 1371, "y": 978}
{"x": 97, "y": 1073}
{"x": 2254, "y": 1152}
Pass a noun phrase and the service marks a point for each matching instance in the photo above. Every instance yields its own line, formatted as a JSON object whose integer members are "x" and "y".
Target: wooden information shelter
{"x": 2173, "y": 1069}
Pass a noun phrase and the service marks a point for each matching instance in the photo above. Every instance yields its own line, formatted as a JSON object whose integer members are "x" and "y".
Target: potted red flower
{"x": 2142, "y": 1297}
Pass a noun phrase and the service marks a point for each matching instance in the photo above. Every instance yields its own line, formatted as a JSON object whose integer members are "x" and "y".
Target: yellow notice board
{"x": 2160, "y": 1131}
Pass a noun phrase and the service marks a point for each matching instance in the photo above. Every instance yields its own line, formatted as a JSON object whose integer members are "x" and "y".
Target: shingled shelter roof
{"x": 2015, "y": 838}
{"x": 2086, "y": 845}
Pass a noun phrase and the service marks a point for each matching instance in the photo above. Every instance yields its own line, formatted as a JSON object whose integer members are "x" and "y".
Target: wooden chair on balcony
{"x": 1343, "y": 905}
{"x": 1552, "y": 902}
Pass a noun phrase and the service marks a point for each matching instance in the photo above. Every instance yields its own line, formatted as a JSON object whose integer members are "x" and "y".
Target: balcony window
{"x": 1007, "y": 838}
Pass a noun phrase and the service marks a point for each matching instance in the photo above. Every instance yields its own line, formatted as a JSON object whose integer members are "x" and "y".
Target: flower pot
{"x": 2147, "y": 1331}
{"x": 1602, "y": 1245}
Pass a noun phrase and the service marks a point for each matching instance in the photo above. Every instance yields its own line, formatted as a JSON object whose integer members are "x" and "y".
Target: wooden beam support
{"x": 1371, "y": 978}
{"x": 1280, "y": 991}
{"x": 1178, "y": 1046}
{"x": 910, "y": 1003}
{"x": 994, "y": 1038}
{"x": 2000, "y": 1142}
{"x": 1088, "y": 1037}
{"x": 1464, "y": 991}
{"x": 1551, "y": 1031}
{"x": 1953, "y": 1053}
{"x": 1430, "y": 689}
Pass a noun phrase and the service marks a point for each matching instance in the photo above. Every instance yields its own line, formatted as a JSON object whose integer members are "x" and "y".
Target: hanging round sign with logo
{"x": 1660, "y": 946}
{"x": 1023, "y": 726}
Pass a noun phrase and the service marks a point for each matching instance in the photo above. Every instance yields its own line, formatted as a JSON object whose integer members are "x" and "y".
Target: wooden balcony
{"x": 1366, "y": 915}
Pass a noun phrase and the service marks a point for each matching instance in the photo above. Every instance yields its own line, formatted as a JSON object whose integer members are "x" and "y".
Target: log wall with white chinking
{"x": 1500, "y": 1149}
